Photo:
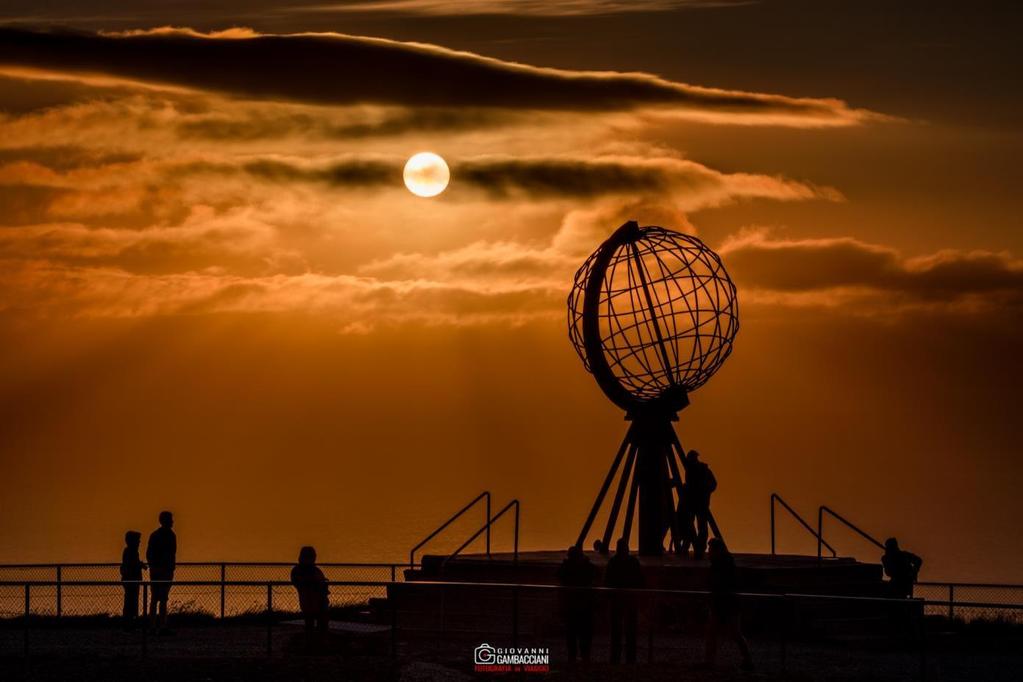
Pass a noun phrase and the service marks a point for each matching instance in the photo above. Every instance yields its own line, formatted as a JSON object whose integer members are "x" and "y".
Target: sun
{"x": 426, "y": 174}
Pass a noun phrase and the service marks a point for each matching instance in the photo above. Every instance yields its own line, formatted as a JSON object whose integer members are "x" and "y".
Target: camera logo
{"x": 484, "y": 654}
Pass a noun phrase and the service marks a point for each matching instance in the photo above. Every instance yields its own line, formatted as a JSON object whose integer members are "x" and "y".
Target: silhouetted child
{"x": 901, "y": 567}
{"x": 576, "y": 571}
{"x": 131, "y": 574}
{"x": 313, "y": 593}
{"x": 724, "y": 608}
{"x": 625, "y": 573}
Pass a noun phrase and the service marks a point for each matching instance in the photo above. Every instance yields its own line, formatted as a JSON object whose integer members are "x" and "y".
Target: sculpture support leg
{"x": 603, "y": 489}
{"x": 612, "y": 519}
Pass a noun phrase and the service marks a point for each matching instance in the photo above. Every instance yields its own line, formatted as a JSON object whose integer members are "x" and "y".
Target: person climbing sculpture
{"x": 694, "y": 505}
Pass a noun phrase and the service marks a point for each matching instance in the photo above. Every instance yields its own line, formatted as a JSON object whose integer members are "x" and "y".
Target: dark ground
{"x": 239, "y": 654}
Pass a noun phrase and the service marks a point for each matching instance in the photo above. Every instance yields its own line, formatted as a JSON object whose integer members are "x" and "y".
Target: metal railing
{"x": 822, "y": 510}
{"x": 777, "y": 499}
{"x": 505, "y": 610}
{"x": 454, "y": 517}
{"x": 214, "y": 573}
{"x": 486, "y": 527}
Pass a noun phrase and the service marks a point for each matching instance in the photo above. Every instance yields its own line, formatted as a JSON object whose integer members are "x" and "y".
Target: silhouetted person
{"x": 577, "y": 572}
{"x": 131, "y": 574}
{"x": 313, "y": 592}
{"x": 724, "y": 608}
{"x": 161, "y": 554}
{"x": 625, "y": 573}
{"x": 901, "y": 567}
{"x": 700, "y": 483}
{"x": 684, "y": 526}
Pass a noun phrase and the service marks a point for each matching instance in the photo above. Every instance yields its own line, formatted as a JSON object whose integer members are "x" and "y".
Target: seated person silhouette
{"x": 724, "y": 608}
{"x": 131, "y": 574}
{"x": 313, "y": 592}
{"x": 700, "y": 483}
{"x": 901, "y": 567}
{"x": 625, "y": 573}
{"x": 577, "y": 572}
{"x": 161, "y": 554}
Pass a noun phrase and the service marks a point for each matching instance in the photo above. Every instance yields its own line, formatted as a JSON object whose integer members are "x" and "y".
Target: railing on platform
{"x": 486, "y": 527}
{"x": 485, "y": 495}
{"x": 824, "y": 509}
{"x": 777, "y": 499}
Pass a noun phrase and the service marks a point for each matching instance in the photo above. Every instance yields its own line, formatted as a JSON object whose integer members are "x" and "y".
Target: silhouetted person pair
{"x": 131, "y": 573}
{"x": 693, "y": 513}
{"x": 577, "y": 572}
{"x": 625, "y": 573}
{"x": 901, "y": 567}
{"x": 161, "y": 554}
{"x": 724, "y": 607}
{"x": 313, "y": 592}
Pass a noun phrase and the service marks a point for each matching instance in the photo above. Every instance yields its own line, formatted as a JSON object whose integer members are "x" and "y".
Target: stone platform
{"x": 771, "y": 573}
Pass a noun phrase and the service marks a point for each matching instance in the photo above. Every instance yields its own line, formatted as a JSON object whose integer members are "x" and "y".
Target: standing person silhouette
{"x": 624, "y": 573}
{"x": 313, "y": 592}
{"x": 901, "y": 567}
{"x": 131, "y": 574}
{"x": 577, "y": 573}
{"x": 685, "y": 518}
{"x": 161, "y": 553}
{"x": 724, "y": 610}
{"x": 700, "y": 483}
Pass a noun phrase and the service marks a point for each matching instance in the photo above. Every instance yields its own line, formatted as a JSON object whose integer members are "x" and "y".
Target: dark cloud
{"x": 570, "y": 177}
{"x": 255, "y": 126}
{"x": 353, "y": 173}
{"x": 66, "y": 157}
{"x": 342, "y": 69}
{"x": 538, "y": 177}
{"x": 808, "y": 265}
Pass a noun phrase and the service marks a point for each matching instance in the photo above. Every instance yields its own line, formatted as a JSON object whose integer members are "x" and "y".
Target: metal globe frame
{"x": 653, "y": 315}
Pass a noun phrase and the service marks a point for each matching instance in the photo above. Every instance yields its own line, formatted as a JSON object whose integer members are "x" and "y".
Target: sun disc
{"x": 426, "y": 174}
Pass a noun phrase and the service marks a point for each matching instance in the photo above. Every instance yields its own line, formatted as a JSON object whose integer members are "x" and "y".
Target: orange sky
{"x": 218, "y": 297}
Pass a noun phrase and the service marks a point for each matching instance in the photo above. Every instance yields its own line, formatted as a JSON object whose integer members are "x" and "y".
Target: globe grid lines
{"x": 681, "y": 334}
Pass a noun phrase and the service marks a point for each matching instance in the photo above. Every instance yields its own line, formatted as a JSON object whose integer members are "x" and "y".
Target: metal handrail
{"x": 775, "y": 497}
{"x": 115, "y": 564}
{"x": 486, "y": 527}
{"x": 847, "y": 522}
{"x": 452, "y": 519}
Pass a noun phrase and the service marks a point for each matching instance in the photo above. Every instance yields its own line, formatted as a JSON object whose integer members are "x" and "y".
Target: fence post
{"x": 392, "y": 573}
{"x": 269, "y": 618}
{"x": 28, "y": 609}
{"x": 651, "y": 619}
{"x": 951, "y": 601}
{"x": 786, "y": 619}
{"x": 515, "y": 616}
{"x": 223, "y": 589}
{"x": 145, "y": 618}
{"x": 60, "y": 597}
{"x": 922, "y": 633}
{"x": 394, "y": 626}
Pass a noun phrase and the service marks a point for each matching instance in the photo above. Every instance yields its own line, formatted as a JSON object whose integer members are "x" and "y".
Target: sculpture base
{"x": 770, "y": 573}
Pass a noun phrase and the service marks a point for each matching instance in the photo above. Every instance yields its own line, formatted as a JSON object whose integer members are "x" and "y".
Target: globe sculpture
{"x": 652, "y": 314}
